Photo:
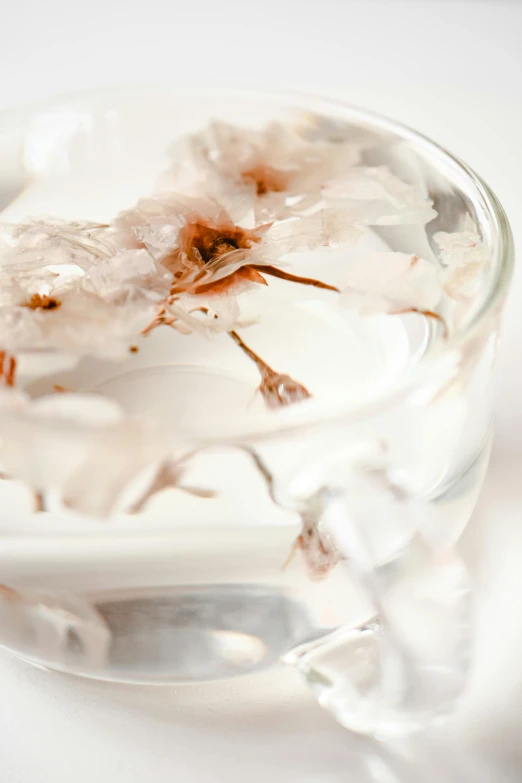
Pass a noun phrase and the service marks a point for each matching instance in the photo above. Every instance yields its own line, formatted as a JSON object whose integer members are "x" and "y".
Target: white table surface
{"x": 452, "y": 70}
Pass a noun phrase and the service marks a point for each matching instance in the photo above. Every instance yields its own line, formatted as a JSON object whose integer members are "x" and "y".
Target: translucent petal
{"x": 465, "y": 256}
{"x": 269, "y": 167}
{"x": 378, "y": 197}
{"x": 82, "y": 446}
{"x": 391, "y": 282}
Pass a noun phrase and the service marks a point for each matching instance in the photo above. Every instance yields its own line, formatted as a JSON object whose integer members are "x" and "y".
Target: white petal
{"x": 117, "y": 457}
{"x": 466, "y": 257}
{"x": 462, "y": 247}
{"x": 222, "y": 313}
{"x": 299, "y": 234}
{"x": 84, "y": 324}
{"x": 391, "y": 282}
{"x": 378, "y": 197}
{"x": 81, "y": 446}
{"x": 54, "y": 242}
{"x": 126, "y": 275}
{"x": 224, "y": 153}
{"x": 81, "y": 409}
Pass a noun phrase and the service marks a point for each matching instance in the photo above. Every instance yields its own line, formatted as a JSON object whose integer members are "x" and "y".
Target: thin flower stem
{"x": 261, "y": 365}
{"x": 426, "y": 314}
{"x": 277, "y": 389}
{"x": 263, "y": 470}
{"x": 7, "y": 369}
{"x": 275, "y": 272}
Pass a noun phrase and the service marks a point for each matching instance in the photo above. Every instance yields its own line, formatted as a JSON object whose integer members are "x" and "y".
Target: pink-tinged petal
{"x": 272, "y": 168}
{"x": 207, "y": 314}
{"x": 77, "y": 408}
{"x": 128, "y": 275}
{"x": 83, "y": 324}
{"x": 377, "y": 197}
{"x": 465, "y": 257}
{"x": 464, "y": 282}
{"x": 54, "y": 242}
{"x": 463, "y": 247}
{"x": 117, "y": 459}
{"x": 390, "y": 283}
{"x": 167, "y": 475}
{"x": 71, "y": 288}
{"x": 326, "y": 227}
{"x": 81, "y": 446}
{"x": 194, "y": 239}
{"x": 319, "y": 551}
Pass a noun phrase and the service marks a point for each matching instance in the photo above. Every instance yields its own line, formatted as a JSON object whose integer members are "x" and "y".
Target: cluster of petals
{"x": 235, "y": 208}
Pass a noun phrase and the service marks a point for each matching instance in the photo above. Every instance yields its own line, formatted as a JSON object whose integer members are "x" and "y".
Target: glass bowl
{"x": 318, "y": 535}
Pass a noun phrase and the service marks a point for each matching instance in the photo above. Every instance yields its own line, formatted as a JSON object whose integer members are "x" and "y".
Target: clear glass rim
{"x": 292, "y": 418}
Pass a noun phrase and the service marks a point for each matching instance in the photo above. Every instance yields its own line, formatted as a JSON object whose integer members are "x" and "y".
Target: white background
{"x": 450, "y": 69}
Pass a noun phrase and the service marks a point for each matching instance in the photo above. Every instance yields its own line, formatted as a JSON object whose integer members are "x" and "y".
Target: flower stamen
{"x": 38, "y": 302}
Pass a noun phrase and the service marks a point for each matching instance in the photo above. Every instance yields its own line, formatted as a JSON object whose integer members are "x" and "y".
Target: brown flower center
{"x": 37, "y": 302}
{"x": 212, "y": 242}
{"x": 203, "y": 245}
{"x": 266, "y": 179}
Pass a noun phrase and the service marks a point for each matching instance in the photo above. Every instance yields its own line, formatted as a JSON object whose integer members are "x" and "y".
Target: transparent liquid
{"x": 197, "y": 589}
{"x": 203, "y": 609}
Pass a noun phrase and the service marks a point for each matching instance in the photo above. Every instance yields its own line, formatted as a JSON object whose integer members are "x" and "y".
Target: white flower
{"x": 375, "y": 196}
{"x": 392, "y": 283}
{"x": 50, "y": 242}
{"x": 77, "y": 323}
{"x": 81, "y": 446}
{"x": 205, "y": 314}
{"x": 74, "y": 288}
{"x": 278, "y": 172}
{"x": 212, "y": 259}
{"x": 277, "y": 389}
{"x": 465, "y": 256}
{"x": 131, "y": 275}
{"x": 269, "y": 173}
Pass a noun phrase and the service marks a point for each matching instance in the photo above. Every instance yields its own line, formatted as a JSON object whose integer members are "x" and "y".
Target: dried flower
{"x": 465, "y": 255}
{"x": 82, "y": 324}
{"x": 278, "y": 172}
{"x": 168, "y": 475}
{"x": 129, "y": 276}
{"x": 269, "y": 173}
{"x": 45, "y": 243}
{"x": 375, "y": 196}
{"x": 319, "y": 550}
{"x": 277, "y": 389}
{"x": 198, "y": 242}
{"x": 80, "y": 445}
{"x": 75, "y": 288}
{"x": 248, "y": 200}
{"x": 392, "y": 283}
{"x": 211, "y": 259}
